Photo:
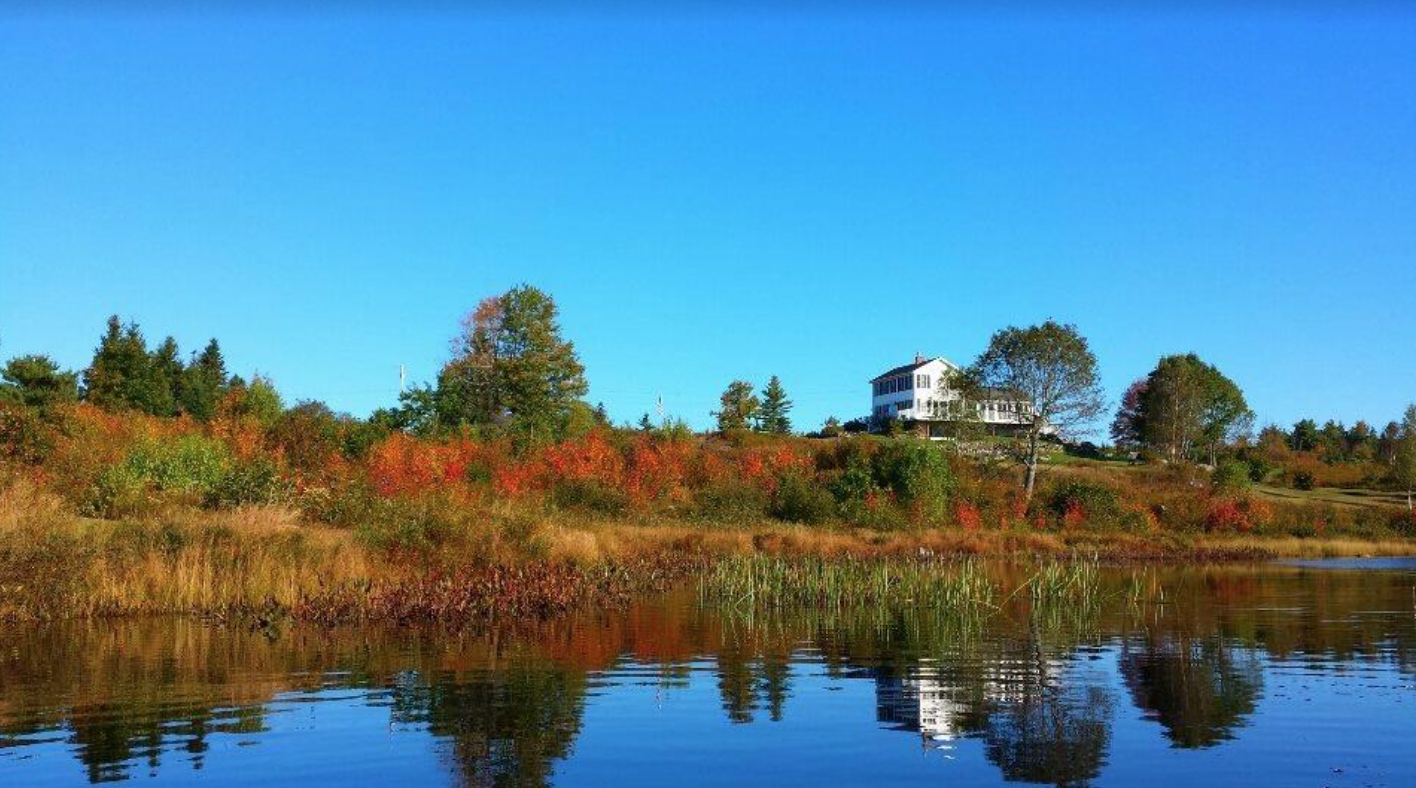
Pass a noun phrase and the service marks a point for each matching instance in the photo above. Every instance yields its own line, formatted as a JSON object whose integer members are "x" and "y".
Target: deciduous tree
{"x": 738, "y": 406}
{"x": 510, "y": 366}
{"x": 1404, "y": 467}
{"x": 1189, "y": 407}
{"x": 1128, "y": 430}
{"x": 1052, "y": 368}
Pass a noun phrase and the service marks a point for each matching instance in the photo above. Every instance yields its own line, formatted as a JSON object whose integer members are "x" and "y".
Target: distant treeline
{"x": 512, "y": 376}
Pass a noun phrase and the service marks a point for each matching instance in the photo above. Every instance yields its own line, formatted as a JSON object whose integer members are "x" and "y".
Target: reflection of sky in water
{"x": 1280, "y": 678}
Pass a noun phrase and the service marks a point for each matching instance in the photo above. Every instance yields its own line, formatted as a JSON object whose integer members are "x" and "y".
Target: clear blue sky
{"x": 716, "y": 196}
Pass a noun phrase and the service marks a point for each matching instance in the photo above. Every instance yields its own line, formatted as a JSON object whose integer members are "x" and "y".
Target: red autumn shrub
{"x": 591, "y": 458}
{"x": 968, "y": 516}
{"x": 401, "y": 465}
{"x": 1239, "y": 514}
{"x": 657, "y": 469}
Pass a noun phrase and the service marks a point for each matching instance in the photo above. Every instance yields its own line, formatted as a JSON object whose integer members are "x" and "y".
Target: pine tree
{"x": 37, "y": 382}
{"x": 164, "y": 379}
{"x": 773, "y": 416}
{"x": 120, "y": 376}
{"x": 204, "y": 383}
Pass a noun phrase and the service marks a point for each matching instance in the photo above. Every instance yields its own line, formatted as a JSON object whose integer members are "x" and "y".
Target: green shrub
{"x": 191, "y": 464}
{"x": 187, "y": 468}
{"x": 1302, "y": 480}
{"x": 1260, "y": 469}
{"x": 918, "y": 473}
{"x": 406, "y": 524}
{"x": 585, "y": 495}
{"x": 801, "y": 500}
{"x": 731, "y": 501}
{"x": 1096, "y": 504}
{"x": 1231, "y": 477}
{"x": 252, "y": 482}
{"x": 120, "y": 491}
{"x": 855, "y": 482}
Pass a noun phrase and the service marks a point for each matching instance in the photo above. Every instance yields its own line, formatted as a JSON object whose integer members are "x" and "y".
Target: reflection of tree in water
{"x": 1053, "y": 734}
{"x": 507, "y": 726}
{"x": 747, "y": 683}
{"x": 131, "y": 693}
{"x": 1199, "y": 690}
{"x": 508, "y": 708}
{"x": 110, "y": 737}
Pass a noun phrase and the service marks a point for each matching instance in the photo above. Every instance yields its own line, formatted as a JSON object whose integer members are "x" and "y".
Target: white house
{"x": 922, "y": 393}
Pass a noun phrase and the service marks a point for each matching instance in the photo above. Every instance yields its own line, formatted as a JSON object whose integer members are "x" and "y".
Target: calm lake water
{"x": 1278, "y": 675}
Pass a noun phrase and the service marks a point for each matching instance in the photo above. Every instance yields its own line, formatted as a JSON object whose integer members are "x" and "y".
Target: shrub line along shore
{"x": 263, "y": 563}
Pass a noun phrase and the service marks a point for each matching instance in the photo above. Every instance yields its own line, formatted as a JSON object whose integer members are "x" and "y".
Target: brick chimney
{"x": 919, "y": 358}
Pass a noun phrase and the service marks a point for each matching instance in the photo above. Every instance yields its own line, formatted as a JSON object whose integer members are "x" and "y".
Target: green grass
{"x": 1332, "y": 495}
{"x": 769, "y": 582}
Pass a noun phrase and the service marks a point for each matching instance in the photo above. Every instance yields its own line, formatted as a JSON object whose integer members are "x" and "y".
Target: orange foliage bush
{"x": 401, "y": 465}
{"x": 968, "y": 516}
{"x": 1241, "y": 514}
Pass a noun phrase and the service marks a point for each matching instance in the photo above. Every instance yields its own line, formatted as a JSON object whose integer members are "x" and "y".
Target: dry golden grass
{"x": 23, "y": 505}
{"x": 55, "y": 565}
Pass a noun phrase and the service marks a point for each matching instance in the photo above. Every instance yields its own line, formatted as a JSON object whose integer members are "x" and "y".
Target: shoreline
{"x": 253, "y": 564}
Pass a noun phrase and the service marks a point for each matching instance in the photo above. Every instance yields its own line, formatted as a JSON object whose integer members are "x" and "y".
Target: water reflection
{"x": 1023, "y": 698}
{"x": 1200, "y": 690}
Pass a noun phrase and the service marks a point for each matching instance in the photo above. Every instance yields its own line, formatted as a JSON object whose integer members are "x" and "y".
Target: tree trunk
{"x": 1032, "y": 464}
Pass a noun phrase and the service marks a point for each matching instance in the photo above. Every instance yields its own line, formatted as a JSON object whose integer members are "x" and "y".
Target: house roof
{"x": 911, "y": 367}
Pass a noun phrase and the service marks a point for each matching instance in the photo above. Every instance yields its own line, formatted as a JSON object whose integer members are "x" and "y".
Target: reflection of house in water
{"x": 943, "y": 709}
{"x": 919, "y": 704}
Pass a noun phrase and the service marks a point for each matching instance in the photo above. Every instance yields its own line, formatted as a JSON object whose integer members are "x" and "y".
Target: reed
{"x": 772, "y": 582}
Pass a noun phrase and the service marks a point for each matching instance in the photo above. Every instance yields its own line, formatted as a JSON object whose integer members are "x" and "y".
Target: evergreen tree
{"x": 645, "y": 424}
{"x": 37, "y": 382}
{"x": 1304, "y": 436}
{"x": 204, "y": 383}
{"x": 773, "y": 414}
{"x": 120, "y": 376}
{"x": 165, "y": 376}
{"x": 738, "y": 406}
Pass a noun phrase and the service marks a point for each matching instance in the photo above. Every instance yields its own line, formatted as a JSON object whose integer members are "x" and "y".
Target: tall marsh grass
{"x": 772, "y": 582}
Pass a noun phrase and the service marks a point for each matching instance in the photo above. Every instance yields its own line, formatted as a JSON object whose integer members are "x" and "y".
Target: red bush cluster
{"x": 968, "y": 516}
{"x": 1238, "y": 514}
